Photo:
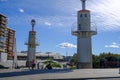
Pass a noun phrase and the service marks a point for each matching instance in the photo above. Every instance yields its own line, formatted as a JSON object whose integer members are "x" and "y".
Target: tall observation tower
{"x": 31, "y": 45}
{"x": 84, "y": 31}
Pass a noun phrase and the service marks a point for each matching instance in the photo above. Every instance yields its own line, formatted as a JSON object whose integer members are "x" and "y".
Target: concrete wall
{"x": 3, "y": 57}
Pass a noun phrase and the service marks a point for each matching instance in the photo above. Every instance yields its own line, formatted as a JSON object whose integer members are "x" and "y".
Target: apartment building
{"x": 6, "y": 38}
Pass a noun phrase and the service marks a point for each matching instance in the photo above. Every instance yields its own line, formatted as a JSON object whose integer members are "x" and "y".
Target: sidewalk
{"x": 59, "y": 74}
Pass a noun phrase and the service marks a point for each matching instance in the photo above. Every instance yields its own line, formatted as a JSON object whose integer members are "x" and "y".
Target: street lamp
{"x": 33, "y": 23}
{"x": 119, "y": 65}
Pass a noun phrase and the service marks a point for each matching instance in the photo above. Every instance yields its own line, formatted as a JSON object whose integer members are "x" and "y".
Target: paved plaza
{"x": 57, "y": 74}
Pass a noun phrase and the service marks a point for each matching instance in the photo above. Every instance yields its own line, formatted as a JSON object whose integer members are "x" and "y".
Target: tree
{"x": 73, "y": 61}
{"x": 96, "y": 61}
{"x": 103, "y": 60}
{"x": 107, "y": 60}
{"x": 53, "y": 63}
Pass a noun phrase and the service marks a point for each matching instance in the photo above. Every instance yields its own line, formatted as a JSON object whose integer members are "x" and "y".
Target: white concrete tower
{"x": 31, "y": 45}
{"x": 84, "y": 31}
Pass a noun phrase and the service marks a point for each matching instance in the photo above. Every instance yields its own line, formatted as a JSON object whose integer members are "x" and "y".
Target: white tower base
{"x": 84, "y": 65}
{"x": 84, "y": 52}
{"x": 31, "y": 48}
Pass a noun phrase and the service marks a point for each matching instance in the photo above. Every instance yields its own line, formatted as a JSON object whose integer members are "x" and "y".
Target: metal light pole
{"x": 118, "y": 65}
{"x": 15, "y": 64}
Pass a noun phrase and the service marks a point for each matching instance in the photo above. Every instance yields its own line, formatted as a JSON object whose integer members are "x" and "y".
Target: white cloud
{"x": 21, "y": 10}
{"x": 60, "y": 24}
{"x": 106, "y": 14}
{"x": 67, "y": 45}
{"x": 48, "y": 23}
{"x": 56, "y": 21}
{"x": 113, "y": 45}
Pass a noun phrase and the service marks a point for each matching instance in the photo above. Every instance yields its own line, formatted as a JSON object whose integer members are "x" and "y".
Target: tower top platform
{"x": 83, "y": 11}
{"x": 83, "y": 0}
{"x": 79, "y": 32}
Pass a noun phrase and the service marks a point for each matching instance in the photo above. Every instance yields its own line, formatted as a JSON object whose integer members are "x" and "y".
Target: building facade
{"x": 9, "y": 46}
{"x": 6, "y": 38}
{"x": 40, "y": 56}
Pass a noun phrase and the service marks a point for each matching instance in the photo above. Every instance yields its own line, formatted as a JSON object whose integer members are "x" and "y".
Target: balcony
{"x": 36, "y": 44}
{"x": 77, "y": 31}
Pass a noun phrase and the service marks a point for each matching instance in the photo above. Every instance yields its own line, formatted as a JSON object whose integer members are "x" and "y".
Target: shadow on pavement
{"x": 94, "y": 78}
{"x": 33, "y": 72}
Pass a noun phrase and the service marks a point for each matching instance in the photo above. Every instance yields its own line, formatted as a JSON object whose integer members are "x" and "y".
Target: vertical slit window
{"x": 85, "y": 15}
{"x": 80, "y": 15}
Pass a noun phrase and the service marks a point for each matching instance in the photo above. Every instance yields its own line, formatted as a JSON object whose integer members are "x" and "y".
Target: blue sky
{"x": 54, "y": 19}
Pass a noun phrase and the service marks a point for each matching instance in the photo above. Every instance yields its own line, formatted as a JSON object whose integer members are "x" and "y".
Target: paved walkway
{"x": 57, "y": 74}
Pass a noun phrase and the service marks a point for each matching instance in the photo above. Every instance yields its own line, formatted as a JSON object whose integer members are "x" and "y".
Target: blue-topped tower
{"x": 84, "y": 31}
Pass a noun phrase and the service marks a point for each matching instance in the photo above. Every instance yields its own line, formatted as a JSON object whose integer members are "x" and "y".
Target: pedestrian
{"x": 49, "y": 66}
{"x": 33, "y": 64}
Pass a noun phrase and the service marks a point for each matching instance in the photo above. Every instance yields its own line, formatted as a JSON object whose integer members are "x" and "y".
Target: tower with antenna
{"x": 84, "y": 32}
{"x": 31, "y": 45}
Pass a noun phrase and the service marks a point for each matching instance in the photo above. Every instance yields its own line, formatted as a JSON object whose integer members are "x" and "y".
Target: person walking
{"x": 33, "y": 64}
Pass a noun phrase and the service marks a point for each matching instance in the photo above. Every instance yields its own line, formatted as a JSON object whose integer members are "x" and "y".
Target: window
{"x": 2, "y": 39}
{"x": 1, "y": 45}
{"x": 79, "y": 27}
{"x": 80, "y": 15}
{"x": 10, "y": 48}
{"x": 2, "y": 25}
{"x": 85, "y": 15}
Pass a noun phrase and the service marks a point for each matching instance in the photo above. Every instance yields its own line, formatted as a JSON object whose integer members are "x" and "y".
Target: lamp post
{"x": 118, "y": 65}
{"x": 33, "y": 23}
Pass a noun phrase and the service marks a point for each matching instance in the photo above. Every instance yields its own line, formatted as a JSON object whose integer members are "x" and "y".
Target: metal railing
{"x": 75, "y": 30}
